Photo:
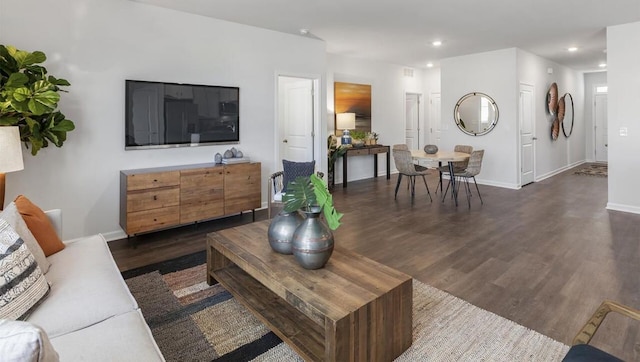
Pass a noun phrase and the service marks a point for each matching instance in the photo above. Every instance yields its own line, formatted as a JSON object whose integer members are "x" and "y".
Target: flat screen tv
{"x": 172, "y": 115}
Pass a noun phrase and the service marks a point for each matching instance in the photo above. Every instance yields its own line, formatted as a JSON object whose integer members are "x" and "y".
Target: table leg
{"x": 375, "y": 165}
{"x": 388, "y": 163}
{"x": 344, "y": 170}
{"x": 453, "y": 183}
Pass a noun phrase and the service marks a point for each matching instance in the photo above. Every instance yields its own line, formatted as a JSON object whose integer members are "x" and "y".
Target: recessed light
{"x": 436, "y": 43}
{"x": 429, "y": 65}
{"x": 304, "y": 31}
{"x": 572, "y": 49}
{"x": 602, "y": 65}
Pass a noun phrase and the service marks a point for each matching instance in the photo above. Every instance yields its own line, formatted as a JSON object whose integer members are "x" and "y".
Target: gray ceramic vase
{"x": 430, "y": 149}
{"x": 281, "y": 231}
{"x": 218, "y": 158}
{"x": 312, "y": 242}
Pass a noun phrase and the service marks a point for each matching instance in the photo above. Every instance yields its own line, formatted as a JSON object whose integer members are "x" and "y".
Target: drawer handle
{"x": 155, "y": 197}
{"x": 155, "y": 180}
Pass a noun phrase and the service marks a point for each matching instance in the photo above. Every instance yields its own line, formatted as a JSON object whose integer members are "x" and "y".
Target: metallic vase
{"x": 281, "y": 231}
{"x": 312, "y": 242}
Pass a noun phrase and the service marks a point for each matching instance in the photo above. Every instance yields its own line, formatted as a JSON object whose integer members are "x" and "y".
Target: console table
{"x": 353, "y": 309}
{"x": 366, "y": 150}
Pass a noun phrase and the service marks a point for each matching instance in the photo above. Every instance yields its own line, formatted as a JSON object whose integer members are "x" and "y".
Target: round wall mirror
{"x": 476, "y": 114}
{"x": 567, "y": 121}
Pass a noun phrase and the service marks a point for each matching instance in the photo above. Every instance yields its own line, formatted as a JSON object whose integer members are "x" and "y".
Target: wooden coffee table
{"x": 353, "y": 309}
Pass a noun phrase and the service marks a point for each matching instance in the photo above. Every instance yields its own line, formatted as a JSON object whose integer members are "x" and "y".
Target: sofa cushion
{"x": 25, "y": 342}
{"x": 121, "y": 338}
{"x": 40, "y": 226}
{"x": 292, "y": 170}
{"x": 86, "y": 288}
{"x": 13, "y": 217}
{"x": 22, "y": 285}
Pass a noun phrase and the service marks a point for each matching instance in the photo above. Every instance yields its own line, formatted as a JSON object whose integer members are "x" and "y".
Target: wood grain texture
{"x": 201, "y": 194}
{"x": 242, "y": 185}
{"x": 362, "y": 311}
{"x": 544, "y": 256}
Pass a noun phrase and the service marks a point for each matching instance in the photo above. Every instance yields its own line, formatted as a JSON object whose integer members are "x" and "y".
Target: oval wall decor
{"x": 555, "y": 128}
{"x": 552, "y": 99}
{"x": 561, "y": 109}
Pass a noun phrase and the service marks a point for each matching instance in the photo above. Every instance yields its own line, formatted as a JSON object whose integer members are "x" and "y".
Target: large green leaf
{"x": 299, "y": 194}
{"x": 326, "y": 201}
{"x": 16, "y": 80}
{"x": 25, "y": 58}
{"x": 21, "y": 94}
{"x": 43, "y": 102}
{"x": 64, "y": 126}
{"x": 8, "y": 120}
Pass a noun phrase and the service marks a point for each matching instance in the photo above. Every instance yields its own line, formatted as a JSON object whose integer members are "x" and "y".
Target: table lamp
{"x": 345, "y": 122}
{"x": 10, "y": 155}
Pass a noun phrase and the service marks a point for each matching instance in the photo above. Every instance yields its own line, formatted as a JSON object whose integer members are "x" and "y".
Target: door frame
{"x": 316, "y": 127}
{"x": 533, "y": 134}
{"x": 594, "y": 139}
{"x": 420, "y": 123}
{"x": 433, "y": 123}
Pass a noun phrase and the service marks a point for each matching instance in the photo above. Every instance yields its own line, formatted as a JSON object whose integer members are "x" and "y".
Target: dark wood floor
{"x": 544, "y": 256}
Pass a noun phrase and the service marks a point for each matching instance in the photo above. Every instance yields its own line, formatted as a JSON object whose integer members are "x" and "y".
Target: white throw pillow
{"x": 13, "y": 217}
{"x": 23, "y": 341}
{"x": 22, "y": 285}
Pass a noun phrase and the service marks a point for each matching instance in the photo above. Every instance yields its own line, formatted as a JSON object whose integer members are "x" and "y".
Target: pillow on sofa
{"x": 13, "y": 217}
{"x": 23, "y": 341}
{"x": 22, "y": 285}
{"x": 40, "y": 226}
{"x": 292, "y": 170}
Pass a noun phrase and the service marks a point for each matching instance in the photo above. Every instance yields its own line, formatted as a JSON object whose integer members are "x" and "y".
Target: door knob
{"x": 534, "y": 138}
{"x": 285, "y": 141}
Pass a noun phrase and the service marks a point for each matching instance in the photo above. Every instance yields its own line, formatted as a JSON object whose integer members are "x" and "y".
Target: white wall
{"x": 388, "y": 88}
{"x": 623, "y": 64}
{"x": 96, "y": 45}
{"x": 591, "y": 80}
{"x": 492, "y": 73}
{"x": 552, "y": 156}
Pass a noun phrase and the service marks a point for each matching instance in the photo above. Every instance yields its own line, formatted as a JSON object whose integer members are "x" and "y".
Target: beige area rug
{"x": 193, "y": 321}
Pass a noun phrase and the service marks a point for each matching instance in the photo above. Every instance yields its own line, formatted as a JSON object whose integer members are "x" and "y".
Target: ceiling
{"x": 401, "y": 31}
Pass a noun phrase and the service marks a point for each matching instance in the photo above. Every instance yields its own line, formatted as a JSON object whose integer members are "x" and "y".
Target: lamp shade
{"x": 10, "y": 149}
{"x": 346, "y": 121}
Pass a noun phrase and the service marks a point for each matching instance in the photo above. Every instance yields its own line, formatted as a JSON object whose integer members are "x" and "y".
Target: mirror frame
{"x": 456, "y": 115}
{"x": 564, "y": 131}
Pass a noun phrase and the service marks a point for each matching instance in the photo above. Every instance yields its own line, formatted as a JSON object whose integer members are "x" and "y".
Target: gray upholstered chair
{"x": 406, "y": 167}
{"x": 473, "y": 169}
{"x": 457, "y": 166}
{"x": 581, "y": 350}
{"x": 277, "y": 183}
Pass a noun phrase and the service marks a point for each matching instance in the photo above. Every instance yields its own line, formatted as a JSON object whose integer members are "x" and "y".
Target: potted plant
{"x": 334, "y": 152}
{"x": 29, "y": 99}
{"x": 312, "y": 241}
{"x": 358, "y": 138}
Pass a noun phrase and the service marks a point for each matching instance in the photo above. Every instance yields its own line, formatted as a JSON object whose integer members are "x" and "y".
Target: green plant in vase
{"x": 358, "y": 138}
{"x": 334, "y": 152}
{"x": 309, "y": 193}
{"x": 29, "y": 99}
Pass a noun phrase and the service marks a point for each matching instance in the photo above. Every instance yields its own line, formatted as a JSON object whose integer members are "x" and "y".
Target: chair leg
{"x": 477, "y": 189}
{"x": 428, "y": 192}
{"x": 413, "y": 187}
{"x": 395, "y": 197}
{"x": 444, "y": 196}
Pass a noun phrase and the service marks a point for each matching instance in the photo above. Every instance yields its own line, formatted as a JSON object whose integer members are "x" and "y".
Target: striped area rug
{"x": 192, "y": 321}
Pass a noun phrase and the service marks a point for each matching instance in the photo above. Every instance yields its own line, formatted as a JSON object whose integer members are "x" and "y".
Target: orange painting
{"x": 354, "y": 98}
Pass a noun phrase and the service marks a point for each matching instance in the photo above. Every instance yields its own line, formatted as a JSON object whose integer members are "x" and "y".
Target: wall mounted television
{"x": 160, "y": 115}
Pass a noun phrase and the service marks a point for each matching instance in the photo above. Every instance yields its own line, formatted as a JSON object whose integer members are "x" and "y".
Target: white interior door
{"x": 296, "y": 118}
{"x": 436, "y": 119}
{"x": 527, "y": 115}
{"x": 601, "y": 130}
{"x": 412, "y": 121}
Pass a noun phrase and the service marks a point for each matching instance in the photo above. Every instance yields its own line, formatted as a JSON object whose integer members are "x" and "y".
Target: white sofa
{"x": 89, "y": 314}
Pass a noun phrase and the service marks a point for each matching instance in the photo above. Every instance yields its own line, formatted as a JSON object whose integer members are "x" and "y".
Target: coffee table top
{"x": 348, "y": 281}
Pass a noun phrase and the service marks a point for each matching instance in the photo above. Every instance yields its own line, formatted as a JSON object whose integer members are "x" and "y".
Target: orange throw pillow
{"x": 39, "y": 225}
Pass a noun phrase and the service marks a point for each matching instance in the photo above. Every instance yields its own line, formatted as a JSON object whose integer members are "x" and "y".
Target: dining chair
{"x": 458, "y": 166}
{"x": 406, "y": 167}
{"x": 473, "y": 169}
{"x": 581, "y": 350}
{"x": 277, "y": 182}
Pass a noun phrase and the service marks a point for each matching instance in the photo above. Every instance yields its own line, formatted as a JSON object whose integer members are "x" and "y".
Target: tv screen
{"x": 172, "y": 115}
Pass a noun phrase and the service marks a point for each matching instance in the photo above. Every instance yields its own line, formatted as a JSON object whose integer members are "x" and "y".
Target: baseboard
{"x": 114, "y": 235}
{"x": 623, "y": 208}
